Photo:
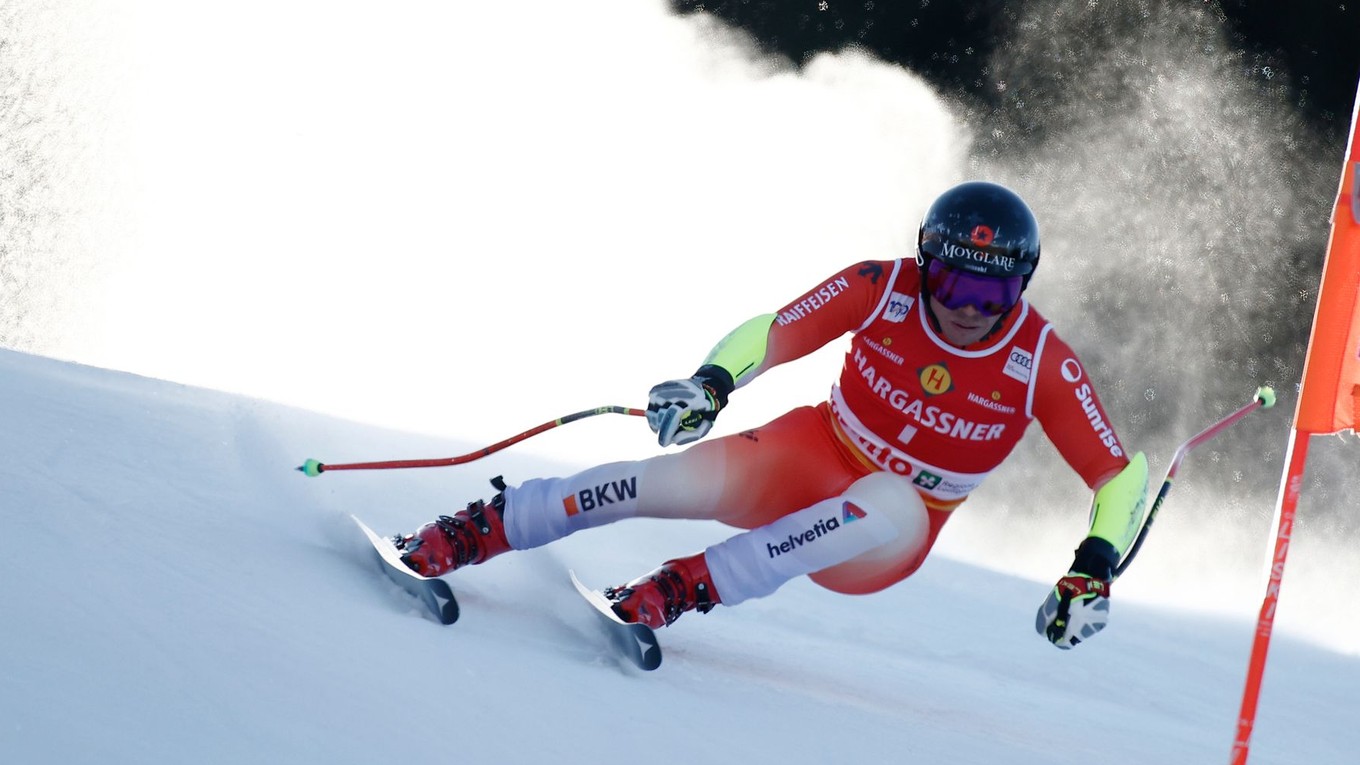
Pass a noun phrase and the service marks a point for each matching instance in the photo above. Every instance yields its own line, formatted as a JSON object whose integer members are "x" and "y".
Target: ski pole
{"x": 1264, "y": 399}
{"x": 314, "y": 468}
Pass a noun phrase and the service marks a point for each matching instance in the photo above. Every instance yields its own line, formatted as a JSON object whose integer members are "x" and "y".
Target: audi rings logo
{"x": 1019, "y": 365}
{"x": 1071, "y": 370}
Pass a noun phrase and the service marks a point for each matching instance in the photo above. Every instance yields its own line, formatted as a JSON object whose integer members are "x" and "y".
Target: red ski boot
{"x": 468, "y": 537}
{"x": 659, "y": 598}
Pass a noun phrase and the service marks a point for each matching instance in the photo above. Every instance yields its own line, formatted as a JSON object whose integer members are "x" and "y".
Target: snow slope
{"x": 171, "y": 590}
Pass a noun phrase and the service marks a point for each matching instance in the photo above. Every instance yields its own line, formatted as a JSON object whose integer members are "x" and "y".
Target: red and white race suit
{"x": 911, "y": 403}
{"x": 907, "y": 402}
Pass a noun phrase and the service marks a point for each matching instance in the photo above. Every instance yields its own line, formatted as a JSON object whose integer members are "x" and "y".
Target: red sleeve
{"x": 838, "y": 305}
{"x": 1066, "y": 405}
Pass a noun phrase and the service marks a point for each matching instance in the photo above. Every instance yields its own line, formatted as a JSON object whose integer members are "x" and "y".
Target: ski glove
{"x": 1079, "y": 605}
{"x": 682, "y": 411}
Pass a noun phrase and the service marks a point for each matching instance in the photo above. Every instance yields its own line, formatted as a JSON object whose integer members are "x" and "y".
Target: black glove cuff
{"x": 717, "y": 380}
{"x": 1096, "y": 558}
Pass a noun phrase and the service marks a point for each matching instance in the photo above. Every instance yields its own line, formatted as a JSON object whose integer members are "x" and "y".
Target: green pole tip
{"x": 311, "y": 468}
{"x": 1266, "y": 395}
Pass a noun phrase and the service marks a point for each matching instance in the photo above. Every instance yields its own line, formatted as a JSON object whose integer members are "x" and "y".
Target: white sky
{"x": 409, "y": 218}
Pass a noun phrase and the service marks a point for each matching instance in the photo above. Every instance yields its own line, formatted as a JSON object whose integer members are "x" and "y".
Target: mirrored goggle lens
{"x": 953, "y": 289}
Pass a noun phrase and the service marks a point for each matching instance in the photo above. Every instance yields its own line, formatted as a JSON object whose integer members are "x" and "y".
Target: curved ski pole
{"x": 314, "y": 468}
{"x": 1264, "y": 399}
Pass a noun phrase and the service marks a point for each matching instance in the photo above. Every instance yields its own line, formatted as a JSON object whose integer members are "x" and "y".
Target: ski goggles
{"x": 954, "y": 289}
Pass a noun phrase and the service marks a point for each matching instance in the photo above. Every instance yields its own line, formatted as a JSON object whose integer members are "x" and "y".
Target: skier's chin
{"x": 961, "y": 334}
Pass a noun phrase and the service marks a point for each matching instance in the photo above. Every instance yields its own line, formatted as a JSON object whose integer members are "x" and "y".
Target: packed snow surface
{"x": 172, "y": 590}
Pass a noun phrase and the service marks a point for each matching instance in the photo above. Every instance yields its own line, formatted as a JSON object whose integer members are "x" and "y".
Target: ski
{"x": 434, "y": 594}
{"x": 635, "y": 642}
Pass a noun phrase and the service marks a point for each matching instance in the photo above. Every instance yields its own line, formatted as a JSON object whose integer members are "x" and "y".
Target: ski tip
{"x": 595, "y": 598}
{"x": 311, "y": 468}
{"x": 576, "y": 580}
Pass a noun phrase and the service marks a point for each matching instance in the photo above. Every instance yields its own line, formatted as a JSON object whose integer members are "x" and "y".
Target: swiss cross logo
{"x": 927, "y": 480}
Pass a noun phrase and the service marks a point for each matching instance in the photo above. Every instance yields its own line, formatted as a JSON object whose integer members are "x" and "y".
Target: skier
{"x": 947, "y": 365}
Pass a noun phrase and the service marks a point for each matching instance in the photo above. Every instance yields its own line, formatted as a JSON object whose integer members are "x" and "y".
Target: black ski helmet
{"x": 981, "y": 227}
